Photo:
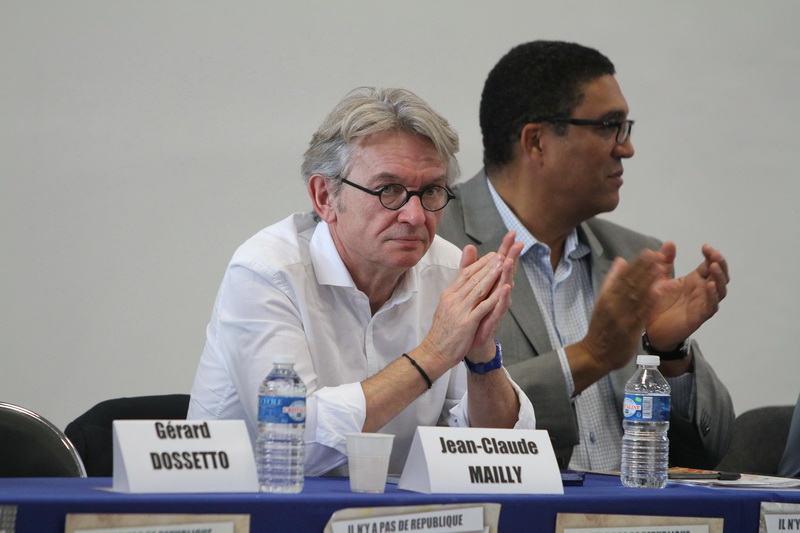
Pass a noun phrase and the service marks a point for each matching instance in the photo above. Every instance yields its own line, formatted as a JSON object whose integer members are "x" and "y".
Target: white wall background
{"x": 142, "y": 141}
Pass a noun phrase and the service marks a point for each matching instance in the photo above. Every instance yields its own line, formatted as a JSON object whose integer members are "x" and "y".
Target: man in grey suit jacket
{"x": 555, "y": 131}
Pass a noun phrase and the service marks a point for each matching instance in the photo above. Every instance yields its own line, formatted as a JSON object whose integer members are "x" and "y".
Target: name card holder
{"x": 617, "y": 523}
{"x": 447, "y": 460}
{"x": 778, "y": 517}
{"x": 183, "y": 456}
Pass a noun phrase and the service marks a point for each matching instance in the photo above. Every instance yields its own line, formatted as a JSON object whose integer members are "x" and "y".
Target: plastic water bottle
{"x": 645, "y": 446}
{"x": 280, "y": 450}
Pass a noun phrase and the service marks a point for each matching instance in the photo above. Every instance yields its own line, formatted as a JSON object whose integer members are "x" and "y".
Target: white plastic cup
{"x": 368, "y": 456}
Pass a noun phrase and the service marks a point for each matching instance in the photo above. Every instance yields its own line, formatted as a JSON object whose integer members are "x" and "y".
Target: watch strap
{"x": 673, "y": 355}
{"x": 483, "y": 368}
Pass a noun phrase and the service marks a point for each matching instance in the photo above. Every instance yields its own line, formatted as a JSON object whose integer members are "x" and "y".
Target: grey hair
{"x": 368, "y": 110}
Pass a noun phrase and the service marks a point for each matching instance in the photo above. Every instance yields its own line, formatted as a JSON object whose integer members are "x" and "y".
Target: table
{"x": 44, "y": 502}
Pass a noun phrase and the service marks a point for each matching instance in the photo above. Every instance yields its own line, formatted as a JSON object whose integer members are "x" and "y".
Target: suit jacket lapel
{"x": 482, "y": 223}
{"x": 601, "y": 264}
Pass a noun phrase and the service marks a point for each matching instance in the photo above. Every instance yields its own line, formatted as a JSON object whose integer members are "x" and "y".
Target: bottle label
{"x": 646, "y": 407}
{"x": 281, "y": 410}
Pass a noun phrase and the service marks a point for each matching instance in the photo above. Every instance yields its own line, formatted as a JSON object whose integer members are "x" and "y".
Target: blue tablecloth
{"x": 44, "y": 502}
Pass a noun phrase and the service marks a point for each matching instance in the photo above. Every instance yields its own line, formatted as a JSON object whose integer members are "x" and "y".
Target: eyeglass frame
{"x": 409, "y": 194}
{"x": 624, "y": 133}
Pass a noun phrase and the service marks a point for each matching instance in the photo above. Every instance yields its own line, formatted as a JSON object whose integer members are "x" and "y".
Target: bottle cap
{"x": 649, "y": 360}
{"x": 288, "y": 358}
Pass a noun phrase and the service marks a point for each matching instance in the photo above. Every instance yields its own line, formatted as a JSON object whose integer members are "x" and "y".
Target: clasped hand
{"x": 471, "y": 308}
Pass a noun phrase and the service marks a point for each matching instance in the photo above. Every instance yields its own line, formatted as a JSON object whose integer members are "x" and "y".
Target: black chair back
{"x": 92, "y": 432}
{"x": 33, "y": 447}
{"x": 759, "y": 438}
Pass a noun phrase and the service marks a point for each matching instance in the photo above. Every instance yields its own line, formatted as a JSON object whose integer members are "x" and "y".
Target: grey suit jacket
{"x": 530, "y": 359}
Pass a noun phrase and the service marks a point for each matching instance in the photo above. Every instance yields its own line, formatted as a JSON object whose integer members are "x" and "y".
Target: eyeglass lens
{"x": 624, "y": 131}
{"x": 395, "y": 196}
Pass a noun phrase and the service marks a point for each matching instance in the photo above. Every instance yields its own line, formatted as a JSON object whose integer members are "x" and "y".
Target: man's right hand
{"x": 620, "y": 314}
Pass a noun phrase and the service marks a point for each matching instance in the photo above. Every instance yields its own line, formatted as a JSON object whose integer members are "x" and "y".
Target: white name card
{"x": 643, "y": 529}
{"x": 481, "y": 461}
{"x": 779, "y": 517}
{"x": 212, "y": 527}
{"x": 617, "y": 523}
{"x": 443, "y": 520}
{"x": 183, "y": 456}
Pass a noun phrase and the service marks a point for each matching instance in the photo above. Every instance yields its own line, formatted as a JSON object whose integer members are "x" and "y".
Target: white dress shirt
{"x": 287, "y": 289}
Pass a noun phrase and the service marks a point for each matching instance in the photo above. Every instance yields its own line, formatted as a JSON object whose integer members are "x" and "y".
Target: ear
{"x": 531, "y": 141}
{"x": 321, "y": 197}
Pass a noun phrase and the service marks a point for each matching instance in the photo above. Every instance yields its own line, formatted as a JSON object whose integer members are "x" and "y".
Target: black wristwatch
{"x": 483, "y": 368}
{"x": 673, "y": 355}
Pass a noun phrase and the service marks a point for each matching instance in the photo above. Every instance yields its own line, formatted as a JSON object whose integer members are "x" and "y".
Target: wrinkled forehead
{"x": 396, "y": 152}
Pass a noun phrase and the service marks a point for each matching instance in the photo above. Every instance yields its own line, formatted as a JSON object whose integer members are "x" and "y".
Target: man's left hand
{"x": 682, "y": 305}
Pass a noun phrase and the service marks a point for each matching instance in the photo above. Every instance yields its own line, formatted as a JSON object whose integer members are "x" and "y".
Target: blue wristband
{"x": 483, "y": 368}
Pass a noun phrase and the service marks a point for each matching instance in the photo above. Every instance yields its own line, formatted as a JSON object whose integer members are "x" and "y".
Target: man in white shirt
{"x": 555, "y": 131}
{"x": 378, "y": 312}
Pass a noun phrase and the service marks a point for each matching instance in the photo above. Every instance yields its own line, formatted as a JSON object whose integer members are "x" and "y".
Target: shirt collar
{"x": 573, "y": 247}
{"x": 331, "y": 270}
{"x": 328, "y": 265}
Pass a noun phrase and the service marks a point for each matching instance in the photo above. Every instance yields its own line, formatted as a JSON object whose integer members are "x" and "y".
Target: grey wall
{"x": 142, "y": 142}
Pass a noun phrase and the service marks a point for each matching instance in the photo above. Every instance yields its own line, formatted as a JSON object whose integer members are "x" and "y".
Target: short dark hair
{"x": 533, "y": 80}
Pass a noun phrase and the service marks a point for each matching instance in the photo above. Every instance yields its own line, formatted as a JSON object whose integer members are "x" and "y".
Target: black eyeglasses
{"x": 623, "y": 127}
{"x": 394, "y": 196}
